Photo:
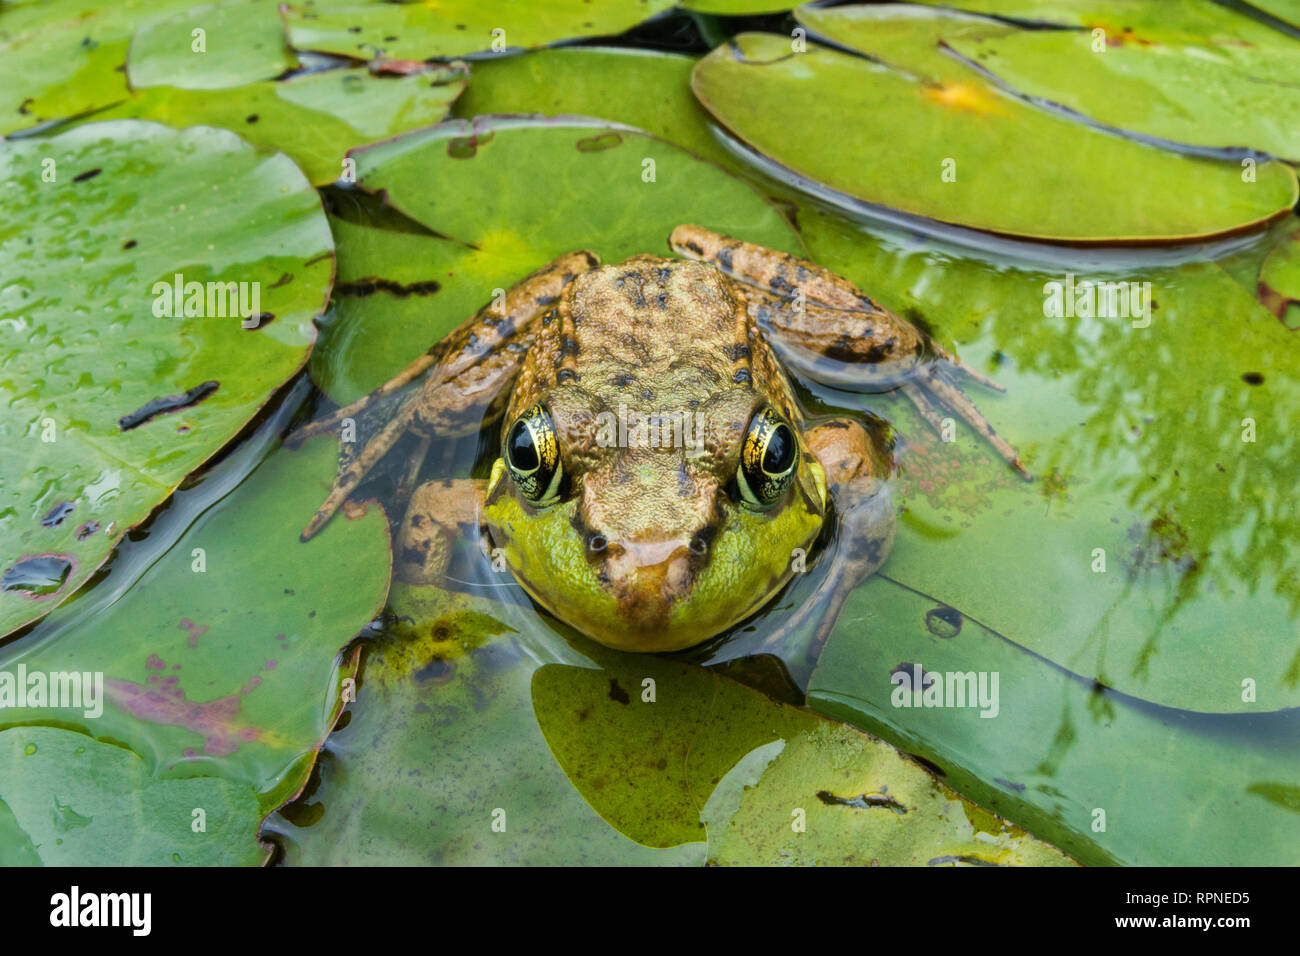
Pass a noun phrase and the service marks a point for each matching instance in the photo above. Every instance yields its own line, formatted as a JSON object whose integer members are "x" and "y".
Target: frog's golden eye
{"x": 532, "y": 453}
{"x": 767, "y": 460}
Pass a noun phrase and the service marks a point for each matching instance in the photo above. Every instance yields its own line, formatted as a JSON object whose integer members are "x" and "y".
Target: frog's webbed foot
{"x": 824, "y": 326}
{"x": 857, "y": 472}
{"x": 463, "y": 375}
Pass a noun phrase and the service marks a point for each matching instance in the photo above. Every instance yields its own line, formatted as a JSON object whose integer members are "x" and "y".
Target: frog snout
{"x": 647, "y": 578}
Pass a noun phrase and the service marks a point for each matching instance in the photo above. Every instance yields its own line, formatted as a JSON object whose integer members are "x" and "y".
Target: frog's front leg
{"x": 466, "y": 372}
{"x": 857, "y": 475}
{"x": 440, "y": 511}
{"x": 824, "y": 326}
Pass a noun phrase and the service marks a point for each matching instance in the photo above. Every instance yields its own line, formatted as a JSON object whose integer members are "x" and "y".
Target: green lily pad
{"x": 1288, "y": 11}
{"x": 1192, "y": 16}
{"x": 1107, "y": 778}
{"x": 222, "y": 658}
{"x": 1221, "y": 91}
{"x": 77, "y": 801}
{"x": 1279, "y": 280}
{"x": 384, "y": 304}
{"x": 865, "y": 804}
{"x": 242, "y": 42}
{"x": 898, "y": 134}
{"x": 89, "y": 372}
{"x": 412, "y": 31}
{"x": 66, "y": 57}
{"x": 501, "y": 226}
{"x": 441, "y": 745}
{"x": 641, "y": 88}
{"x": 315, "y": 118}
{"x": 666, "y": 751}
{"x": 1154, "y": 537}
{"x": 736, "y": 8}
{"x": 650, "y": 767}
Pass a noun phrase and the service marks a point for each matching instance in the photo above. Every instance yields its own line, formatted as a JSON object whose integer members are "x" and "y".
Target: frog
{"x": 658, "y": 482}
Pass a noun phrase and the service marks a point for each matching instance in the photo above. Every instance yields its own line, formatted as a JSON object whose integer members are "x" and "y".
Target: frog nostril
{"x": 596, "y": 543}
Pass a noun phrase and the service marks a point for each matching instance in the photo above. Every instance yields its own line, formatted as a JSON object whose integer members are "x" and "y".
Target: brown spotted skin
{"x": 671, "y": 338}
{"x": 828, "y": 329}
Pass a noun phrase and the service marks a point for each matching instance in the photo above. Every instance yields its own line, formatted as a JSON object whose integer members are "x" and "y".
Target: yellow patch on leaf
{"x": 963, "y": 96}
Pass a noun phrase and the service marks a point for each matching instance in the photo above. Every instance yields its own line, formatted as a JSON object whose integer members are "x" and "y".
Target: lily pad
{"x": 65, "y": 57}
{"x": 412, "y": 31}
{"x": 666, "y": 751}
{"x": 1048, "y": 756}
{"x": 1155, "y": 536}
{"x": 1288, "y": 11}
{"x": 442, "y": 762}
{"x": 641, "y": 88}
{"x": 1279, "y": 280}
{"x": 1192, "y": 16}
{"x": 1166, "y": 82}
{"x": 77, "y": 801}
{"x": 736, "y": 8}
{"x": 222, "y": 658}
{"x": 107, "y": 406}
{"x": 865, "y": 804}
{"x": 617, "y": 191}
{"x": 941, "y": 150}
{"x": 242, "y": 41}
{"x": 314, "y": 118}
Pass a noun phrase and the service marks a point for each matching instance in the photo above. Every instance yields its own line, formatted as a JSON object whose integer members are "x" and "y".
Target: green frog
{"x": 658, "y": 482}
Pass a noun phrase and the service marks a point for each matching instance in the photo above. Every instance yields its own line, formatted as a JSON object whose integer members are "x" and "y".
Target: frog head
{"x": 654, "y": 496}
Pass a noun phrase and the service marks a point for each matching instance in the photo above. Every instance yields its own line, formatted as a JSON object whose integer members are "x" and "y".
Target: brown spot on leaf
{"x": 170, "y": 403}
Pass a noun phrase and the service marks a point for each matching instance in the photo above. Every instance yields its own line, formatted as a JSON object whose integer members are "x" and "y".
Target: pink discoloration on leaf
{"x": 164, "y": 702}
{"x": 154, "y": 663}
{"x": 270, "y": 665}
{"x": 196, "y": 630}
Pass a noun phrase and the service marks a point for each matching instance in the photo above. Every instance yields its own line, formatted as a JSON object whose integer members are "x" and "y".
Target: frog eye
{"x": 767, "y": 460}
{"x": 532, "y": 453}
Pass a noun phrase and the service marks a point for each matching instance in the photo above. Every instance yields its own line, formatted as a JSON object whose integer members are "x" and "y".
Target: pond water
{"x": 1128, "y": 619}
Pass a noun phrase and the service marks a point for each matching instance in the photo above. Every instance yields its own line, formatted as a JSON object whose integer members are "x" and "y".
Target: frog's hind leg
{"x": 349, "y": 477}
{"x": 466, "y": 372}
{"x": 857, "y": 467}
{"x": 385, "y": 395}
{"x": 955, "y": 399}
{"x": 825, "y": 326}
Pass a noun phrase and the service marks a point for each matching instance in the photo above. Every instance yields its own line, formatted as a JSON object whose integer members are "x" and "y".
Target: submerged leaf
{"x": 1106, "y": 777}
{"x": 1155, "y": 534}
{"x": 75, "y": 801}
{"x": 667, "y": 753}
